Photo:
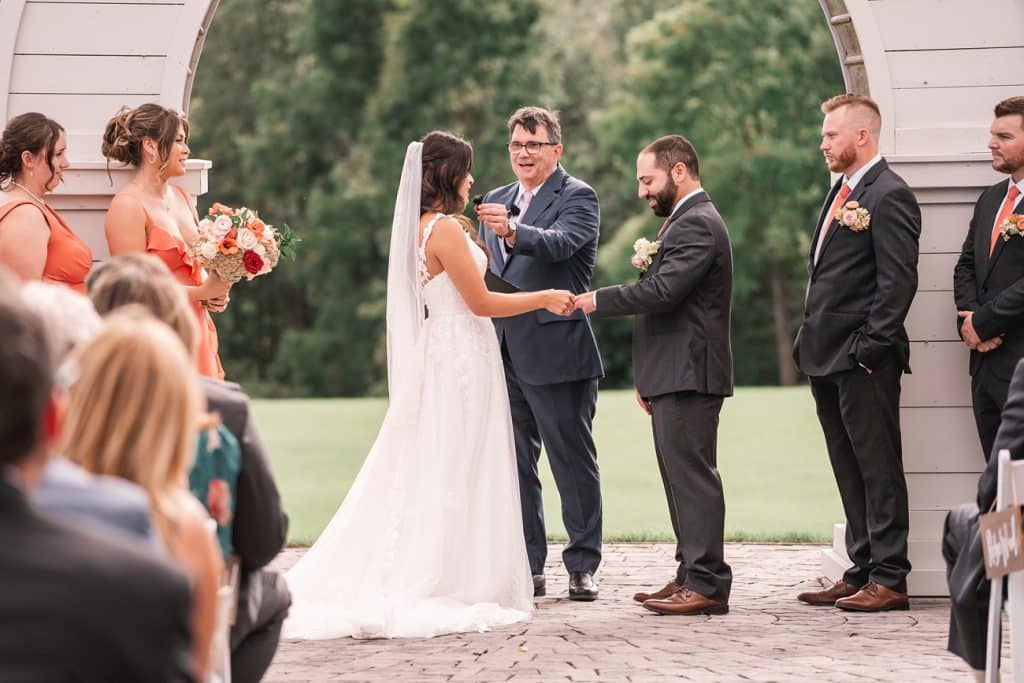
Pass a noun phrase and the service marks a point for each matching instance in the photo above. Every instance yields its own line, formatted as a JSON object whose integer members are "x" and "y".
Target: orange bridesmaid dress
{"x": 173, "y": 251}
{"x": 68, "y": 258}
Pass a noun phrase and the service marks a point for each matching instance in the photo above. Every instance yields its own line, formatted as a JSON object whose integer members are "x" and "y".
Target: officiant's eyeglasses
{"x": 531, "y": 147}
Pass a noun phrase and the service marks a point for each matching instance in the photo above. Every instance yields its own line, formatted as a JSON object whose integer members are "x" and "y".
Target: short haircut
{"x": 1011, "y": 106}
{"x": 27, "y": 368}
{"x": 846, "y": 99}
{"x": 531, "y": 118}
{"x": 670, "y": 150}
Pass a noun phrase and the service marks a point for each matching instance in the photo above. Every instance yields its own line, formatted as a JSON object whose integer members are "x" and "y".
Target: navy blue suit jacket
{"x": 556, "y": 248}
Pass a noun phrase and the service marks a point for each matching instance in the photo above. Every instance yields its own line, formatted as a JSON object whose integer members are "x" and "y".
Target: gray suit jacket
{"x": 69, "y": 492}
{"x": 683, "y": 303}
{"x": 556, "y": 248}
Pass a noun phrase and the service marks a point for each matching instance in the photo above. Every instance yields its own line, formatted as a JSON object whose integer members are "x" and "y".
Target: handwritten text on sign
{"x": 1002, "y": 541}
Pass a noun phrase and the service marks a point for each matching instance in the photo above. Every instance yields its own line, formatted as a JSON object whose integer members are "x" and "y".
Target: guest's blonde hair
{"x": 138, "y": 278}
{"x": 71, "y": 321}
{"x": 134, "y": 409}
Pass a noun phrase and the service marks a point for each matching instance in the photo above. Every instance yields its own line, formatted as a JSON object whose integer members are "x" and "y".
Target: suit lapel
{"x": 545, "y": 197}
{"x": 831, "y": 197}
{"x": 990, "y": 215}
{"x": 855, "y": 196}
{"x": 693, "y": 201}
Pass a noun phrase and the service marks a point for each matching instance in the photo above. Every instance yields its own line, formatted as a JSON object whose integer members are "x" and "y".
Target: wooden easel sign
{"x": 1002, "y": 541}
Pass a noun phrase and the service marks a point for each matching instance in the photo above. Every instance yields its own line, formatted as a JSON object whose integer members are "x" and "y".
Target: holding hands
{"x": 559, "y": 301}
{"x": 587, "y": 302}
{"x": 971, "y": 337}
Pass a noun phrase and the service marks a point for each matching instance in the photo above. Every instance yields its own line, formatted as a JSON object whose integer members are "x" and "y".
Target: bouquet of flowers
{"x": 237, "y": 245}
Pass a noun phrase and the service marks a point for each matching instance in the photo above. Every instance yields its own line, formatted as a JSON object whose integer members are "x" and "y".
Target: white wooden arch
{"x": 936, "y": 68}
{"x": 78, "y": 62}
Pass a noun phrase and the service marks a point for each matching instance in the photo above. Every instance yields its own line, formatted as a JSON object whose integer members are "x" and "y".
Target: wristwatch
{"x": 512, "y": 227}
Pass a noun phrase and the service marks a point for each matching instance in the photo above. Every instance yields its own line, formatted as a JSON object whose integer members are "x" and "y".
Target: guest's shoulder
{"x": 220, "y": 393}
{"x": 575, "y": 185}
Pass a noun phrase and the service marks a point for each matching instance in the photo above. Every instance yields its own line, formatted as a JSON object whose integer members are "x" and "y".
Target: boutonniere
{"x": 1013, "y": 225}
{"x": 853, "y": 216}
{"x": 643, "y": 251}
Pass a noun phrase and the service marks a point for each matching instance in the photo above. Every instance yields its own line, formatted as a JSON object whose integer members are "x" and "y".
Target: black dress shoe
{"x": 582, "y": 586}
{"x": 539, "y": 586}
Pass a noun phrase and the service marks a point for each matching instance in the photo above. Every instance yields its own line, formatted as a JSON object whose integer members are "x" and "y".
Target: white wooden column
{"x": 936, "y": 71}
{"x": 78, "y": 62}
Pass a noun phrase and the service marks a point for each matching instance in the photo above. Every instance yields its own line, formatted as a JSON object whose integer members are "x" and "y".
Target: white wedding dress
{"x": 429, "y": 540}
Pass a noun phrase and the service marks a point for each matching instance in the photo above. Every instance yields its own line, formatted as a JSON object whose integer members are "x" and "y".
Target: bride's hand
{"x": 559, "y": 301}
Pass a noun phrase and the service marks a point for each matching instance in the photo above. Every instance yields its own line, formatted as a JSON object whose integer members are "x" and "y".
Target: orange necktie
{"x": 840, "y": 199}
{"x": 1008, "y": 203}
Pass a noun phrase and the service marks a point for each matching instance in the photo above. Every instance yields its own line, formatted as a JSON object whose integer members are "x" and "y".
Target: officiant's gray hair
{"x": 532, "y": 117}
{"x": 670, "y": 150}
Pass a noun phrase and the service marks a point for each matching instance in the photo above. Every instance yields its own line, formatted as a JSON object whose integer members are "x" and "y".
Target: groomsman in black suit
{"x": 682, "y": 365}
{"x": 853, "y": 346}
{"x": 988, "y": 281}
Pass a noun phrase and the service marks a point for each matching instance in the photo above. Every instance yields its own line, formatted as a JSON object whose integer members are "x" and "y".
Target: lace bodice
{"x": 439, "y": 293}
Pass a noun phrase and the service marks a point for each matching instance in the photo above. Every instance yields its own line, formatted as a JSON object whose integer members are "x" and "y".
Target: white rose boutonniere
{"x": 853, "y": 216}
{"x": 643, "y": 251}
{"x": 1012, "y": 226}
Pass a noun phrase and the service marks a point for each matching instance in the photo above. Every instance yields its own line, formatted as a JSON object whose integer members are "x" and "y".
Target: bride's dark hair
{"x": 447, "y": 160}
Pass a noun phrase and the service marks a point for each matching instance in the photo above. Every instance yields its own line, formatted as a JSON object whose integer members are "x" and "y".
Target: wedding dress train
{"x": 429, "y": 540}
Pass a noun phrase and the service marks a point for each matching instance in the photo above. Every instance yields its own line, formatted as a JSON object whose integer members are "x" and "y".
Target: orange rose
{"x": 221, "y": 208}
{"x": 257, "y": 226}
{"x": 232, "y": 234}
{"x": 228, "y": 246}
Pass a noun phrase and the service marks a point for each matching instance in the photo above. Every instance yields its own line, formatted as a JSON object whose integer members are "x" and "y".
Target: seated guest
{"x": 134, "y": 413}
{"x": 35, "y": 242}
{"x": 66, "y": 490}
{"x": 961, "y": 540}
{"x": 260, "y": 524}
{"x": 76, "y": 604}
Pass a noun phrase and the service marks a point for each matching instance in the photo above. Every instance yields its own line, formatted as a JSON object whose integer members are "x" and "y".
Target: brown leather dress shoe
{"x": 670, "y": 588}
{"x": 874, "y": 597}
{"x": 839, "y": 589}
{"x": 686, "y": 602}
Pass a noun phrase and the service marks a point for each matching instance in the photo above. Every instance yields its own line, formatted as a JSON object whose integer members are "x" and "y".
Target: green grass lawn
{"x": 778, "y": 484}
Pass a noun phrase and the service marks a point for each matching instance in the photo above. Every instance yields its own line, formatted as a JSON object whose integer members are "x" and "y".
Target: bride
{"x": 429, "y": 539}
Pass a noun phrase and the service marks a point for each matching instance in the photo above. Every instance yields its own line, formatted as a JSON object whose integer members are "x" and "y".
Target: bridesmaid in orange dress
{"x": 35, "y": 242}
{"x": 152, "y": 216}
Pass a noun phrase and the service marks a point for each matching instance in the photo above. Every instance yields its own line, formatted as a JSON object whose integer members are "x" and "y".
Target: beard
{"x": 665, "y": 199}
{"x": 843, "y": 160}
{"x": 1009, "y": 164}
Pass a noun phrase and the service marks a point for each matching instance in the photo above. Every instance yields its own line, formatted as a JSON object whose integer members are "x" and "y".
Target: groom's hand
{"x": 642, "y": 403}
{"x": 586, "y": 302}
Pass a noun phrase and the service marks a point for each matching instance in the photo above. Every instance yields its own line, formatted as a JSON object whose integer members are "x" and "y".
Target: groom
{"x": 542, "y": 233}
{"x": 682, "y": 363}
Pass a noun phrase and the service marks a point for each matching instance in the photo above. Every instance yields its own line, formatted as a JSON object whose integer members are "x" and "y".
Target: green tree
{"x": 744, "y": 87}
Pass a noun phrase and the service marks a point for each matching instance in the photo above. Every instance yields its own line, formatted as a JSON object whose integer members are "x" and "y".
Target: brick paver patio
{"x": 767, "y": 636}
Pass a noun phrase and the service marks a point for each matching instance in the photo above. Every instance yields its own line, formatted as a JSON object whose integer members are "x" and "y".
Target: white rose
{"x": 260, "y": 249}
{"x": 208, "y": 250}
{"x": 205, "y": 226}
{"x": 247, "y": 239}
{"x": 221, "y": 227}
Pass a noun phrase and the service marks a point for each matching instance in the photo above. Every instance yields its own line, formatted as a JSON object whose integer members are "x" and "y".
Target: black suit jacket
{"x": 968, "y": 585}
{"x": 260, "y": 527}
{"x": 683, "y": 303}
{"x": 993, "y": 288}
{"x": 861, "y": 288}
{"x": 556, "y": 248}
{"x": 77, "y": 605}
